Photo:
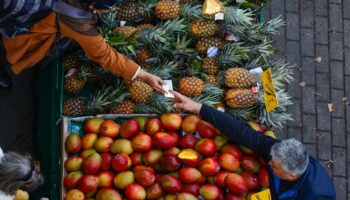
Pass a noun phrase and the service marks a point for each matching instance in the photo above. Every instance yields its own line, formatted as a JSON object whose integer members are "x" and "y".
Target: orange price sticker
{"x": 270, "y": 98}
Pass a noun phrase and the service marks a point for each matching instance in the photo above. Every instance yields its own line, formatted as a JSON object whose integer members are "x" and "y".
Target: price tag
{"x": 122, "y": 23}
{"x": 168, "y": 85}
{"x": 270, "y": 98}
{"x": 263, "y": 195}
{"x": 212, "y": 52}
{"x": 257, "y": 71}
{"x": 219, "y": 16}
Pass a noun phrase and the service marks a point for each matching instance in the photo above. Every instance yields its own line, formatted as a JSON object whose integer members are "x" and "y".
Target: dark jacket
{"x": 314, "y": 184}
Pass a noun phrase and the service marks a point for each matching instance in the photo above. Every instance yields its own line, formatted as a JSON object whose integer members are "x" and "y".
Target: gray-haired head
{"x": 291, "y": 155}
{"x": 14, "y": 170}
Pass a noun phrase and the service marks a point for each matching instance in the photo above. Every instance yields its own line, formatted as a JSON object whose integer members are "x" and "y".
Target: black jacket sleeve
{"x": 239, "y": 132}
{"x": 323, "y": 198}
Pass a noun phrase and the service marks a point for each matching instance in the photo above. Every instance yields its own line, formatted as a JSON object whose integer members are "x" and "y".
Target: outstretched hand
{"x": 184, "y": 103}
{"x": 152, "y": 80}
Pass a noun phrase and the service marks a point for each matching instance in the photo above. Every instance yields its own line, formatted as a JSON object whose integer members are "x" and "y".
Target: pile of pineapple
{"x": 207, "y": 56}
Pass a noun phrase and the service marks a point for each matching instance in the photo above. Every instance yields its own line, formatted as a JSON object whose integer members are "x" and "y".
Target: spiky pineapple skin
{"x": 204, "y": 43}
{"x": 130, "y": 12}
{"x": 125, "y": 107}
{"x": 240, "y": 98}
{"x": 212, "y": 79}
{"x": 204, "y": 28}
{"x": 70, "y": 62}
{"x": 73, "y": 84}
{"x": 167, "y": 9}
{"x": 140, "y": 92}
{"x": 144, "y": 26}
{"x": 127, "y": 31}
{"x": 74, "y": 107}
{"x": 191, "y": 86}
{"x": 142, "y": 56}
{"x": 238, "y": 78}
{"x": 210, "y": 66}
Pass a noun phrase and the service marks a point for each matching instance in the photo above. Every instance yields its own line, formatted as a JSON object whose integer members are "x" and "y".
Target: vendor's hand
{"x": 154, "y": 81}
{"x": 184, "y": 103}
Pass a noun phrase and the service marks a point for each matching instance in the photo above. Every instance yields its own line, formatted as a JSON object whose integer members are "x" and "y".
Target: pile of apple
{"x": 169, "y": 157}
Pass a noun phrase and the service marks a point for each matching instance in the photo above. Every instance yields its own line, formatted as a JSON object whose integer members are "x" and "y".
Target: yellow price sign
{"x": 263, "y": 195}
{"x": 270, "y": 98}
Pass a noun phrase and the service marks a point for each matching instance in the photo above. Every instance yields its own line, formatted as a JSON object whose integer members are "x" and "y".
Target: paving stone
{"x": 293, "y": 52}
{"x": 336, "y": 46}
{"x": 324, "y": 145}
{"x": 307, "y": 13}
{"x": 307, "y": 42}
{"x": 311, "y": 149}
{"x": 308, "y": 70}
{"x": 335, "y": 1}
{"x": 277, "y": 9}
{"x": 321, "y": 30}
{"x": 347, "y": 87}
{"x": 294, "y": 88}
{"x": 347, "y": 32}
{"x": 292, "y": 25}
{"x": 292, "y": 6}
{"x": 280, "y": 43}
{"x": 340, "y": 188}
{"x": 321, "y": 8}
{"x": 322, "y": 51}
{"x": 335, "y": 17}
{"x": 339, "y": 157}
{"x": 339, "y": 132}
{"x": 323, "y": 117}
{"x": 346, "y": 9}
{"x": 309, "y": 128}
{"x": 294, "y": 132}
{"x": 337, "y": 74}
{"x": 337, "y": 100}
{"x": 347, "y": 61}
{"x": 295, "y": 111}
{"x": 308, "y": 100}
{"x": 322, "y": 87}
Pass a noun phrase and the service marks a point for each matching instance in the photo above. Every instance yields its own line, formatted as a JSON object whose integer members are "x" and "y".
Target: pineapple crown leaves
{"x": 119, "y": 42}
{"x": 191, "y": 11}
{"x": 177, "y": 25}
{"x": 164, "y": 70}
{"x": 237, "y": 16}
{"x": 233, "y": 54}
{"x": 242, "y": 114}
{"x": 211, "y": 95}
{"x": 108, "y": 20}
{"x": 282, "y": 73}
{"x": 182, "y": 48}
{"x": 264, "y": 50}
{"x": 158, "y": 104}
{"x": 271, "y": 27}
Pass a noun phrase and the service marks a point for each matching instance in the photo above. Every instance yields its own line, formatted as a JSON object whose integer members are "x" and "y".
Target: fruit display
{"x": 165, "y": 157}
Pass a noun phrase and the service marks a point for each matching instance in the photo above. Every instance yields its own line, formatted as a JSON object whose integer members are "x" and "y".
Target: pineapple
{"x": 210, "y": 66}
{"x": 125, "y": 107}
{"x": 74, "y": 107}
{"x": 70, "y": 62}
{"x": 204, "y": 43}
{"x": 142, "y": 56}
{"x": 240, "y": 98}
{"x": 73, "y": 46}
{"x": 130, "y": 11}
{"x": 239, "y": 78}
{"x": 140, "y": 92}
{"x": 204, "y": 28}
{"x": 212, "y": 79}
{"x": 167, "y": 9}
{"x": 127, "y": 31}
{"x": 186, "y": 1}
{"x": 191, "y": 86}
{"x": 144, "y": 26}
{"x": 74, "y": 81}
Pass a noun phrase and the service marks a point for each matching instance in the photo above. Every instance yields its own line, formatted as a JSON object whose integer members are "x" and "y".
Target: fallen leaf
{"x": 302, "y": 84}
{"x": 331, "y": 107}
{"x": 318, "y": 59}
{"x": 345, "y": 98}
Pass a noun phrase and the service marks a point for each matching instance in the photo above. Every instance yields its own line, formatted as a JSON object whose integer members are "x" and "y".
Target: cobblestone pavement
{"x": 317, "y": 39}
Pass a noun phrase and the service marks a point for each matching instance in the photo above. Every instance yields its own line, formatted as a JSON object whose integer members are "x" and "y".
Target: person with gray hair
{"x": 18, "y": 172}
{"x": 293, "y": 173}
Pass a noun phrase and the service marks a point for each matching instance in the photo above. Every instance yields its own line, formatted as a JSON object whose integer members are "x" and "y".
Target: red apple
{"x": 106, "y": 161}
{"x": 129, "y": 129}
{"x": 188, "y": 141}
{"x": 88, "y": 140}
{"x": 220, "y": 178}
{"x": 264, "y": 177}
{"x": 176, "y": 136}
{"x": 170, "y": 163}
{"x": 171, "y": 184}
{"x": 141, "y": 142}
{"x": 163, "y": 140}
{"x": 250, "y": 163}
{"x": 206, "y": 130}
{"x": 172, "y": 151}
{"x": 171, "y": 121}
{"x": 103, "y": 144}
{"x": 189, "y": 124}
{"x": 106, "y": 178}
{"x": 251, "y": 179}
{"x": 209, "y": 167}
{"x": 73, "y": 163}
{"x": 121, "y": 162}
{"x": 74, "y": 194}
{"x": 123, "y": 179}
{"x": 135, "y": 192}
{"x": 232, "y": 149}
{"x": 154, "y": 192}
{"x": 136, "y": 158}
{"x": 109, "y": 128}
{"x": 209, "y": 191}
{"x": 236, "y": 183}
{"x": 92, "y": 164}
{"x": 230, "y": 196}
{"x": 144, "y": 177}
{"x": 228, "y": 162}
{"x": 220, "y": 141}
{"x": 88, "y": 183}
{"x": 71, "y": 180}
{"x": 189, "y": 175}
{"x": 202, "y": 180}
{"x": 153, "y": 126}
{"x": 87, "y": 152}
{"x": 107, "y": 193}
{"x": 73, "y": 143}
{"x": 192, "y": 188}
{"x": 152, "y": 157}
{"x": 189, "y": 157}
{"x": 206, "y": 147}
{"x": 93, "y": 125}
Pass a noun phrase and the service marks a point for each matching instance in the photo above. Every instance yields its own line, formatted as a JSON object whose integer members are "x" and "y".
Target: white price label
{"x": 167, "y": 86}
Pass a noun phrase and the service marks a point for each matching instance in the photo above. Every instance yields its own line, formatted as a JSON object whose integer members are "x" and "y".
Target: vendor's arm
{"x": 237, "y": 131}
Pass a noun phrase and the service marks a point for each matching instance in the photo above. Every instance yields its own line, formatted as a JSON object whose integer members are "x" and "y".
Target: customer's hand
{"x": 184, "y": 103}
{"x": 154, "y": 81}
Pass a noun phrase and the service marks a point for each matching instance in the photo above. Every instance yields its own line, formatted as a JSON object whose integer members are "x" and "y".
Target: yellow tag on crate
{"x": 263, "y": 195}
{"x": 271, "y": 101}
{"x": 211, "y": 7}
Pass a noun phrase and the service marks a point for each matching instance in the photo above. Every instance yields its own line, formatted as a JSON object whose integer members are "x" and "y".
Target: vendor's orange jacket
{"x": 26, "y": 50}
